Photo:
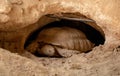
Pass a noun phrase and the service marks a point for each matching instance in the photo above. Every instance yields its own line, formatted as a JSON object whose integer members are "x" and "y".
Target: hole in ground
{"x": 94, "y": 35}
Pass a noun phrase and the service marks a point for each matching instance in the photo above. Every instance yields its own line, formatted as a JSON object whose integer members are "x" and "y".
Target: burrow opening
{"x": 92, "y": 34}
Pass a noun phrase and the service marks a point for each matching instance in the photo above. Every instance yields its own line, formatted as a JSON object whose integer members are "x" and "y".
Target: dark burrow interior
{"x": 92, "y": 34}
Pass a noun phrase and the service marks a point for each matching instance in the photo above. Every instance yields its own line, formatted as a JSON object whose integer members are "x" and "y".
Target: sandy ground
{"x": 18, "y": 18}
{"x": 98, "y": 62}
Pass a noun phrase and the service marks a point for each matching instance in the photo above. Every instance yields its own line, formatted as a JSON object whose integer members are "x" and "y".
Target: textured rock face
{"x": 18, "y": 18}
{"x": 21, "y": 17}
{"x": 12, "y": 65}
{"x": 16, "y": 14}
{"x": 99, "y": 62}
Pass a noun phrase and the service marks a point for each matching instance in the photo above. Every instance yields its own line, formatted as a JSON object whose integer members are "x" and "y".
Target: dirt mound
{"x": 96, "y": 63}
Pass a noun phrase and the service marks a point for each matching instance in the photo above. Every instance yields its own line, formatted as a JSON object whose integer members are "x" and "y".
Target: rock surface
{"x": 98, "y": 62}
{"x": 16, "y": 14}
{"x": 21, "y": 14}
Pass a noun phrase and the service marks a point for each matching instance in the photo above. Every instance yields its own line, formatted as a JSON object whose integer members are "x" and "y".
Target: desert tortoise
{"x": 60, "y": 41}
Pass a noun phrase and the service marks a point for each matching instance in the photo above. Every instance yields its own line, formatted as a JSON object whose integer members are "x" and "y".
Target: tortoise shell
{"x": 65, "y": 37}
{"x": 60, "y": 39}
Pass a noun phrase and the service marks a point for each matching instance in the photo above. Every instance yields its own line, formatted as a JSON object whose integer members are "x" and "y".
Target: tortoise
{"x": 60, "y": 41}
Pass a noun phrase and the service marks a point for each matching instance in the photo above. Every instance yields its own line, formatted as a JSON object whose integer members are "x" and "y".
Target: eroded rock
{"x": 21, "y": 18}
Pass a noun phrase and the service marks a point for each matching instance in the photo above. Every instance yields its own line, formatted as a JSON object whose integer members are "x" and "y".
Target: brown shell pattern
{"x": 62, "y": 37}
{"x": 66, "y": 37}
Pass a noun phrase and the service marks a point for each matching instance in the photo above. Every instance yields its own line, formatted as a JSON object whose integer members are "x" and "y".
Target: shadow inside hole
{"x": 91, "y": 33}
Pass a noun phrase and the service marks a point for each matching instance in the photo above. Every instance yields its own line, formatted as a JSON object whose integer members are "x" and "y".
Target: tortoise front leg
{"x": 65, "y": 52}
